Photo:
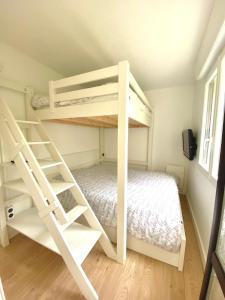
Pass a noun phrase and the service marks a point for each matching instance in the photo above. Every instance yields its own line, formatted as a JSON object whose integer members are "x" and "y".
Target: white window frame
{"x": 206, "y": 165}
{"x": 210, "y": 164}
{"x": 219, "y": 115}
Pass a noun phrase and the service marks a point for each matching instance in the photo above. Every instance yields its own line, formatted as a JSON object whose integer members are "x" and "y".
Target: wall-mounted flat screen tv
{"x": 189, "y": 144}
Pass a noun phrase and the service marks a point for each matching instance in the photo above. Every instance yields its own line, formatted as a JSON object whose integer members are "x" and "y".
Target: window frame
{"x": 215, "y": 71}
{"x": 220, "y": 89}
{"x": 213, "y": 75}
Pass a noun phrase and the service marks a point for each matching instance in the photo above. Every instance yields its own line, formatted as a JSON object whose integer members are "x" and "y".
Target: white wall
{"x": 137, "y": 144}
{"x": 16, "y": 66}
{"x": 70, "y": 139}
{"x": 216, "y": 21}
{"x": 172, "y": 113}
{"x": 201, "y": 190}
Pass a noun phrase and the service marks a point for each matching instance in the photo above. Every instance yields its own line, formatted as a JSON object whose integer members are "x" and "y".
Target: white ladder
{"x": 48, "y": 223}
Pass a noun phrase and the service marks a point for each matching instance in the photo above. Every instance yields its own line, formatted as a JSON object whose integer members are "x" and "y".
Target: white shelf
{"x": 27, "y": 122}
{"x": 80, "y": 238}
{"x": 44, "y": 163}
{"x": 39, "y": 143}
{"x": 19, "y": 186}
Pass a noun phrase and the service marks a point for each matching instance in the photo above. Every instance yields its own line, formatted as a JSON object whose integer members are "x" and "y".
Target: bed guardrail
{"x": 99, "y": 90}
{"x": 135, "y": 86}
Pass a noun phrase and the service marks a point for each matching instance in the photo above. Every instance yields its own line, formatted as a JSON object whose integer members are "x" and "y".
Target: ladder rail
{"x": 23, "y": 167}
{"x": 78, "y": 195}
{"x": 75, "y": 268}
{"x": 4, "y": 238}
{"x": 56, "y": 230}
{"x": 15, "y": 136}
{"x": 45, "y": 199}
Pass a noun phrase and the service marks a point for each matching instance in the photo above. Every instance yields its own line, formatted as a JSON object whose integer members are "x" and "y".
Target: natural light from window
{"x": 207, "y": 123}
{"x": 212, "y": 122}
{"x": 219, "y": 121}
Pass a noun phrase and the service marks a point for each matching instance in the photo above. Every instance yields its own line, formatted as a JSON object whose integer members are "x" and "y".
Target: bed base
{"x": 140, "y": 246}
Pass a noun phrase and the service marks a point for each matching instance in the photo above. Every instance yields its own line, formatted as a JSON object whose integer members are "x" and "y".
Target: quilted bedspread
{"x": 153, "y": 207}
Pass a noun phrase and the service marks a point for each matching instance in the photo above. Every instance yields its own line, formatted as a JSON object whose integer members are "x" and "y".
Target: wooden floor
{"x": 30, "y": 271}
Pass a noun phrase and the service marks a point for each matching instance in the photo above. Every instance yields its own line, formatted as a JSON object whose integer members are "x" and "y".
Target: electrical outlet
{"x": 9, "y": 212}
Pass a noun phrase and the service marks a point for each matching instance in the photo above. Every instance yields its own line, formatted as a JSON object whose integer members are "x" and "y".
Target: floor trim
{"x": 197, "y": 233}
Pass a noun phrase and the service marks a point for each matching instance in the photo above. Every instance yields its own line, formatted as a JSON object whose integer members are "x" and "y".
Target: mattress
{"x": 153, "y": 208}
{"x": 40, "y": 102}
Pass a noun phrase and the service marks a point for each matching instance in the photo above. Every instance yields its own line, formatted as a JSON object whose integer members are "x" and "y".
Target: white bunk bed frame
{"x": 109, "y": 114}
{"x": 104, "y": 115}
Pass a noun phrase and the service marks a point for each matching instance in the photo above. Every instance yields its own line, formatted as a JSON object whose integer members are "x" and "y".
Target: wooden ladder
{"x": 47, "y": 222}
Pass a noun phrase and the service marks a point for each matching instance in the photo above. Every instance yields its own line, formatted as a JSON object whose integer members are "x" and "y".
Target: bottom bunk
{"x": 154, "y": 217}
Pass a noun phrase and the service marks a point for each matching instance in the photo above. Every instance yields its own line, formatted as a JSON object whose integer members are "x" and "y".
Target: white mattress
{"x": 154, "y": 213}
{"x": 39, "y": 102}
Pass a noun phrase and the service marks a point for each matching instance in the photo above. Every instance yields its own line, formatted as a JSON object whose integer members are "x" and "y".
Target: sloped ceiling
{"x": 160, "y": 38}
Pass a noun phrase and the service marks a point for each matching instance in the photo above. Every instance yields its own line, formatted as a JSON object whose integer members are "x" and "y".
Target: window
{"x": 212, "y": 121}
{"x": 219, "y": 121}
{"x": 207, "y": 124}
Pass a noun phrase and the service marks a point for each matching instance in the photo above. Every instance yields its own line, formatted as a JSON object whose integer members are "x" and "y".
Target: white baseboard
{"x": 197, "y": 233}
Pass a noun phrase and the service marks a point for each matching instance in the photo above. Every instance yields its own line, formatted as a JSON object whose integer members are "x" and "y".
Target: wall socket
{"x": 9, "y": 212}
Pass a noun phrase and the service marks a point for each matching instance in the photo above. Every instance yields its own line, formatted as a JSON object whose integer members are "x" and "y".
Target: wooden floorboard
{"x": 30, "y": 271}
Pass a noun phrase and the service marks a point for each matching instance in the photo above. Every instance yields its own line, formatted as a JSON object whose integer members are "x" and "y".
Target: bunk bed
{"x": 110, "y": 98}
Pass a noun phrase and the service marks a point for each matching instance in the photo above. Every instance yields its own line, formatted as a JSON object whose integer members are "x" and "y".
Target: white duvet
{"x": 39, "y": 102}
{"x": 153, "y": 208}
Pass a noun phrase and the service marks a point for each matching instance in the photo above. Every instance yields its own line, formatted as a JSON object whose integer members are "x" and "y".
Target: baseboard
{"x": 197, "y": 233}
{"x": 132, "y": 163}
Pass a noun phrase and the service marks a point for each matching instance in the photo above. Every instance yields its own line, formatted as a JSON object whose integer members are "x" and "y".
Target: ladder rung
{"x": 74, "y": 214}
{"x": 44, "y": 164}
{"x": 61, "y": 186}
{"x": 39, "y": 143}
{"x": 57, "y": 186}
{"x": 25, "y": 122}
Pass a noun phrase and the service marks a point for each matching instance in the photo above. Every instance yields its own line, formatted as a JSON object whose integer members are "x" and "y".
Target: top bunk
{"x": 96, "y": 99}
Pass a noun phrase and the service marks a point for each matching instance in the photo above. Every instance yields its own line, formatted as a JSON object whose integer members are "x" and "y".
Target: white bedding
{"x": 154, "y": 213}
{"x": 39, "y": 102}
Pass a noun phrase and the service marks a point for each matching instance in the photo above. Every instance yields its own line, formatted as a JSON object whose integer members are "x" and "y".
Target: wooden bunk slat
{"x": 82, "y": 122}
{"x": 108, "y": 120}
{"x": 98, "y": 122}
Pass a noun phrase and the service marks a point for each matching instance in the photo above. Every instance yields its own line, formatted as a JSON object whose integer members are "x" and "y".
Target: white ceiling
{"x": 160, "y": 38}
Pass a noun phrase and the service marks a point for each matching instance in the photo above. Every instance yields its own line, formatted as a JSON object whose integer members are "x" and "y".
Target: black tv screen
{"x": 189, "y": 144}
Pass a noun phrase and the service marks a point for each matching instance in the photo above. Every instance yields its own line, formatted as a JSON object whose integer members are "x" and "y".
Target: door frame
{"x": 213, "y": 262}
